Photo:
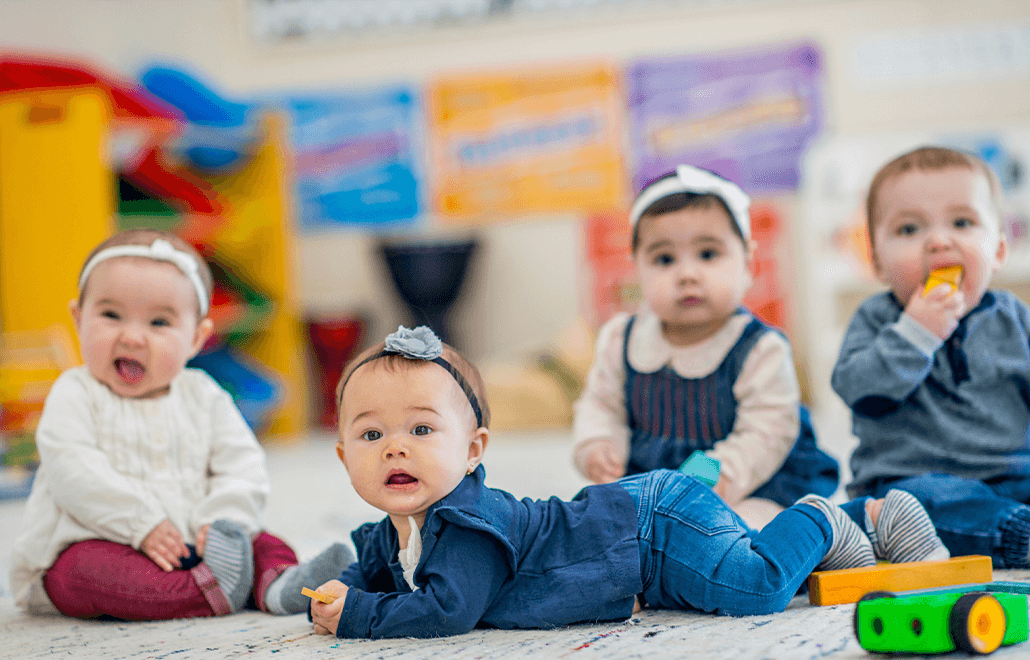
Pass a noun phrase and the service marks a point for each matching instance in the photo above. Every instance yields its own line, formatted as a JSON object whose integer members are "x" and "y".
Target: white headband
{"x": 694, "y": 180}
{"x": 161, "y": 250}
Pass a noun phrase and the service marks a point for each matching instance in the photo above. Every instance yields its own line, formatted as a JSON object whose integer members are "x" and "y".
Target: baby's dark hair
{"x": 147, "y": 237}
{"x": 397, "y": 362}
{"x": 676, "y": 202}
{"x": 929, "y": 158}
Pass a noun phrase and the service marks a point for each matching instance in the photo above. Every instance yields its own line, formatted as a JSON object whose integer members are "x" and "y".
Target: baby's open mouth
{"x": 400, "y": 479}
{"x": 131, "y": 371}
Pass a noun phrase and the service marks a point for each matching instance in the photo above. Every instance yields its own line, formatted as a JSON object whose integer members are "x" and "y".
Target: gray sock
{"x": 283, "y": 595}
{"x": 229, "y": 555}
{"x": 851, "y": 547}
{"x": 904, "y": 532}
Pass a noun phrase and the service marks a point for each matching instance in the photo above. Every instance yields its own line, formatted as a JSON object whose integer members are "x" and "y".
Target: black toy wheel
{"x": 869, "y": 596}
{"x": 977, "y": 623}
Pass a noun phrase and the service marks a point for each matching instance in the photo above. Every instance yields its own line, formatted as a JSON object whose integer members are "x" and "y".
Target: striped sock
{"x": 851, "y": 547}
{"x": 904, "y": 532}
{"x": 283, "y": 595}
{"x": 229, "y": 555}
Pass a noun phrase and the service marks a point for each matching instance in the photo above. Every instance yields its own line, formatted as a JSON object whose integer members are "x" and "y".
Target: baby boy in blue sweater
{"x": 938, "y": 376}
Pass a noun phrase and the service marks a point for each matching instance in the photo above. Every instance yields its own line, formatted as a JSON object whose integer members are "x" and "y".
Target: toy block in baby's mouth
{"x": 325, "y": 598}
{"x": 949, "y": 275}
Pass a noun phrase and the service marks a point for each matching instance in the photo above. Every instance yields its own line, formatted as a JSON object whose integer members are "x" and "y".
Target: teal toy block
{"x": 701, "y": 466}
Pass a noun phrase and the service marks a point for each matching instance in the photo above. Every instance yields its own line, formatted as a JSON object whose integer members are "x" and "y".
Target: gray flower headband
{"x": 159, "y": 250}
{"x": 420, "y": 344}
{"x": 695, "y": 180}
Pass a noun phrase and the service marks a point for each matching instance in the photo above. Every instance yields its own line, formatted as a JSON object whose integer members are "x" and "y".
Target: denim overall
{"x": 670, "y": 416}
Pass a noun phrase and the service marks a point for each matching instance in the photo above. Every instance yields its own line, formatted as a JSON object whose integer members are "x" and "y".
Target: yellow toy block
{"x": 325, "y": 598}
{"x": 950, "y": 275}
{"x": 847, "y": 585}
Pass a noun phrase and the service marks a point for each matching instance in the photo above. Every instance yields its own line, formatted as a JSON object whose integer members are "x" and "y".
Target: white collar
{"x": 648, "y": 349}
{"x": 409, "y": 556}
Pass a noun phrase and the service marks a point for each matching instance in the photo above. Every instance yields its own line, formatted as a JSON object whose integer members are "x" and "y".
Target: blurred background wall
{"x": 513, "y": 303}
{"x": 890, "y": 73}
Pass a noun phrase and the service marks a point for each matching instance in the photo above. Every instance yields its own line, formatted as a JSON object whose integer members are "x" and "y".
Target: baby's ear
{"x": 74, "y": 309}
{"x": 340, "y": 454}
{"x": 477, "y": 447}
{"x": 204, "y": 330}
{"x": 750, "y": 251}
{"x": 1002, "y": 255}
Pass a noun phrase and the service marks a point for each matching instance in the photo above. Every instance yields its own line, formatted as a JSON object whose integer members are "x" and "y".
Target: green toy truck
{"x": 976, "y": 619}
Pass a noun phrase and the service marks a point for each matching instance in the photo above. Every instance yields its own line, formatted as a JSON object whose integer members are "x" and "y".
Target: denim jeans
{"x": 696, "y": 553}
{"x": 972, "y": 517}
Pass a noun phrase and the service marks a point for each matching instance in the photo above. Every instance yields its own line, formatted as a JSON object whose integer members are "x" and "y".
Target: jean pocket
{"x": 693, "y": 504}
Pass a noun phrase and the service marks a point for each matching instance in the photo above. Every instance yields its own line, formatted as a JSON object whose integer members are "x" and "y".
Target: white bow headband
{"x": 691, "y": 179}
{"x": 160, "y": 250}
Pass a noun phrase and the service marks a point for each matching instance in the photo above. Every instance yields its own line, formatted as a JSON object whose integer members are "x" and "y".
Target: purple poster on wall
{"x": 746, "y": 115}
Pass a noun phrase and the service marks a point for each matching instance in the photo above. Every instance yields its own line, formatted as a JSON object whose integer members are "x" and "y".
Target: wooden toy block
{"x": 849, "y": 584}
{"x": 325, "y": 598}
{"x": 950, "y": 275}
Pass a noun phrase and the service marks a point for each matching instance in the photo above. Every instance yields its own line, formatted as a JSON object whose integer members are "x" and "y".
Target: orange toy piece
{"x": 949, "y": 275}
{"x": 325, "y": 598}
{"x": 847, "y": 585}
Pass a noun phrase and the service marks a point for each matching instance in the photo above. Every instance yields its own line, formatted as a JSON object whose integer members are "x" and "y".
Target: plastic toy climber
{"x": 975, "y": 619}
{"x": 949, "y": 275}
{"x": 30, "y": 362}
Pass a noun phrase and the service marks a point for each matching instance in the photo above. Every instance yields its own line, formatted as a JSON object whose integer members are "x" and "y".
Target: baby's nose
{"x": 132, "y": 335}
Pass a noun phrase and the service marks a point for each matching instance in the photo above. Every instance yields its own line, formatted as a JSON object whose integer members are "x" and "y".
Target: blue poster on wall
{"x": 354, "y": 158}
{"x": 745, "y": 115}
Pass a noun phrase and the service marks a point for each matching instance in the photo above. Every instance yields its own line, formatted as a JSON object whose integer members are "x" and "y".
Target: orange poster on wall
{"x": 545, "y": 141}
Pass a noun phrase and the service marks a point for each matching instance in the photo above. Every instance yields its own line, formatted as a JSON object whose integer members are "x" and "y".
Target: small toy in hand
{"x": 325, "y": 598}
{"x": 701, "y": 466}
{"x": 949, "y": 275}
{"x": 972, "y": 620}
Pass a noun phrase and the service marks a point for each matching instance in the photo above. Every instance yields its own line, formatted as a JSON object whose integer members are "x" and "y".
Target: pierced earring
{"x": 468, "y": 473}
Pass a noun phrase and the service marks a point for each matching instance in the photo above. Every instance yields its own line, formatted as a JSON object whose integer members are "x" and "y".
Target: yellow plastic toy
{"x": 56, "y": 200}
{"x": 949, "y": 275}
{"x": 325, "y": 598}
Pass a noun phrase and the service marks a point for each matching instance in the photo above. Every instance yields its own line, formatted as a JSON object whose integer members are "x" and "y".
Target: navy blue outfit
{"x": 947, "y": 421}
{"x": 670, "y": 417}
{"x": 491, "y": 560}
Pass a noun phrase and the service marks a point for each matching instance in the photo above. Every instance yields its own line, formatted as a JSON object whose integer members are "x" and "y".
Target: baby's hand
{"x": 164, "y": 546}
{"x": 602, "y": 463}
{"x": 939, "y": 310}
{"x": 326, "y": 617}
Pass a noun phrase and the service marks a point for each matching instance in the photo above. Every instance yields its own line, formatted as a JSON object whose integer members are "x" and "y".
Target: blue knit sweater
{"x": 920, "y": 405}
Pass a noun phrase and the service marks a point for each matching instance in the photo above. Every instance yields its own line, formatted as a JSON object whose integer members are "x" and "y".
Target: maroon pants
{"x": 98, "y": 578}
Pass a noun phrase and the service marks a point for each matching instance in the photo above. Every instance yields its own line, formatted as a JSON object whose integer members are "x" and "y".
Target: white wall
{"x": 528, "y": 276}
